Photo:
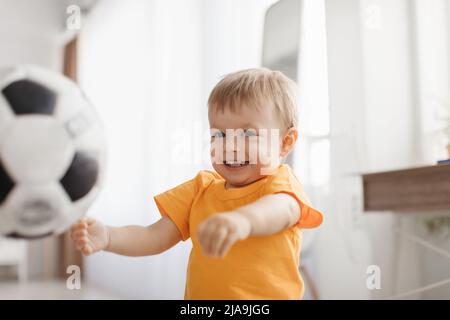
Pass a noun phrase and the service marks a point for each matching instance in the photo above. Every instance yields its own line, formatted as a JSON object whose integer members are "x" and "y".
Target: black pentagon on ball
{"x": 6, "y": 183}
{"x": 81, "y": 176}
{"x": 25, "y": 97}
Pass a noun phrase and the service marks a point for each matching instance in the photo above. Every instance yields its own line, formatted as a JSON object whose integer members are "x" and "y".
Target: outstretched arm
{"x": 90, "y": 236}
{"x": 266, "y": 216}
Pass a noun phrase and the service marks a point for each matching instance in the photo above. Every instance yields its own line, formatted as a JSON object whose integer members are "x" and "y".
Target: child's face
{"x": 238, "y": 164}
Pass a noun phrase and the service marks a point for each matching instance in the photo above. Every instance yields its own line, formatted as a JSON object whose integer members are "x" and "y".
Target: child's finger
{"x": 204, "y": 233}
{"x": 80, "y": 244}
{"x": 201, "y": 229}
{"x": 226, "y": 245}
{"x": 83, "y": 221}
{"x": 79, "y": 233}
{"x": 74, "y": 235}
{"x": 89, "y": 221}
{"x": 77, "y": 241}
{"x": 76, "y": 226}
{"x": 79, "y": 225}
{"x": 218, "y": 239}
{"x": 210, "y": 234}
{"x": 87, "y": 250}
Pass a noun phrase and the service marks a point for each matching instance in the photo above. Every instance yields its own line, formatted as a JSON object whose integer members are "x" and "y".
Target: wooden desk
{"x": 415, "y": 189}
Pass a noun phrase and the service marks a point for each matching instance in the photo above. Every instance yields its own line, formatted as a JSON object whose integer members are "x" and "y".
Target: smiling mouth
{"x": 235, "y": 164}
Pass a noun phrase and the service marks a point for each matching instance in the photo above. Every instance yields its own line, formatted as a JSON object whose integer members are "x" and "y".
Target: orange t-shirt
{"x": 254, "y": 268}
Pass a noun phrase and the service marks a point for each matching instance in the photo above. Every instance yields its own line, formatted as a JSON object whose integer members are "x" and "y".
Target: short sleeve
{"x": 284, "y": 181}
{"x": 177, "y": 202}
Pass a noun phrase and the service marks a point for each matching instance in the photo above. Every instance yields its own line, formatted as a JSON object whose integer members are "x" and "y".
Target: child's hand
{"x": 90, "y": 235}
{"x": 219, "y": 232}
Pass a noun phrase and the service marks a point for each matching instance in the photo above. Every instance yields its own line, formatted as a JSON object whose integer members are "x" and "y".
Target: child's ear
{"x": 289, "y": 140}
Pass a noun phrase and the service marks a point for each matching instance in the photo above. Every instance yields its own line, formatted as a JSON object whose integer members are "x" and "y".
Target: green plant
{"x": 442, "y": 113}
{"x": 438, "y": 225}
{"x": 441, "y": 225}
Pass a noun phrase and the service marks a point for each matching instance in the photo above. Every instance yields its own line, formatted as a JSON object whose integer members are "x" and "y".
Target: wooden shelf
{"x": 409, "y": 190}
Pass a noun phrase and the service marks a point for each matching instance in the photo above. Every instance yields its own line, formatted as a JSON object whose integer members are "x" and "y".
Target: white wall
{"x": 390, "y": 120}
{"x": 127, "y": 54}
{"x": 341, "y": 251}
{"x": 433, "y": 91}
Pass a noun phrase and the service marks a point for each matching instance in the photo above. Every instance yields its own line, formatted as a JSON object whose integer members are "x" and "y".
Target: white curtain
{"x": 148, "y": 66}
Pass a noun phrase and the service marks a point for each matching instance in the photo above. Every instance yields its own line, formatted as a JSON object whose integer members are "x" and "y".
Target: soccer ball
{"x": 51, "y": 152}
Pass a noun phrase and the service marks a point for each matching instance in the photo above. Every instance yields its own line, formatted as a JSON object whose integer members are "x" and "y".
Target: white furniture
{"x": 14, "y": 253}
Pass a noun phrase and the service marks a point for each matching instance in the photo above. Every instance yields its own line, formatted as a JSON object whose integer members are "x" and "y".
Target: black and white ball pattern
{"x": 51, "y": 152}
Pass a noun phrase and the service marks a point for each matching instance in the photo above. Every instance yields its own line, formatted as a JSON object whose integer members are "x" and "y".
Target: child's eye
{"x": 217, "y": 134}
{"x": 250, "y": 133}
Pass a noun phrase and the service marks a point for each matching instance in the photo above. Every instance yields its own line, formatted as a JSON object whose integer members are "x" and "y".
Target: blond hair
{"x": 259, "y": 88}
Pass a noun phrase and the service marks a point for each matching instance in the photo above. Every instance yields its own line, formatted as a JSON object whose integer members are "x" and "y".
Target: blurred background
{"x": 374, "y": 79}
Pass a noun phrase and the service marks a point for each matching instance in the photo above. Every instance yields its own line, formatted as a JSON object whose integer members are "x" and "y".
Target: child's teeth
{"x": 235, "y": 164}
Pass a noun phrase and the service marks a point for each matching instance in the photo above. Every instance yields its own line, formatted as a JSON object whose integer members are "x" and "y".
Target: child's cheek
{"x": 269, "y": 167}
{"x": 268, "y": 155}
{"x": 216, "y": 151}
